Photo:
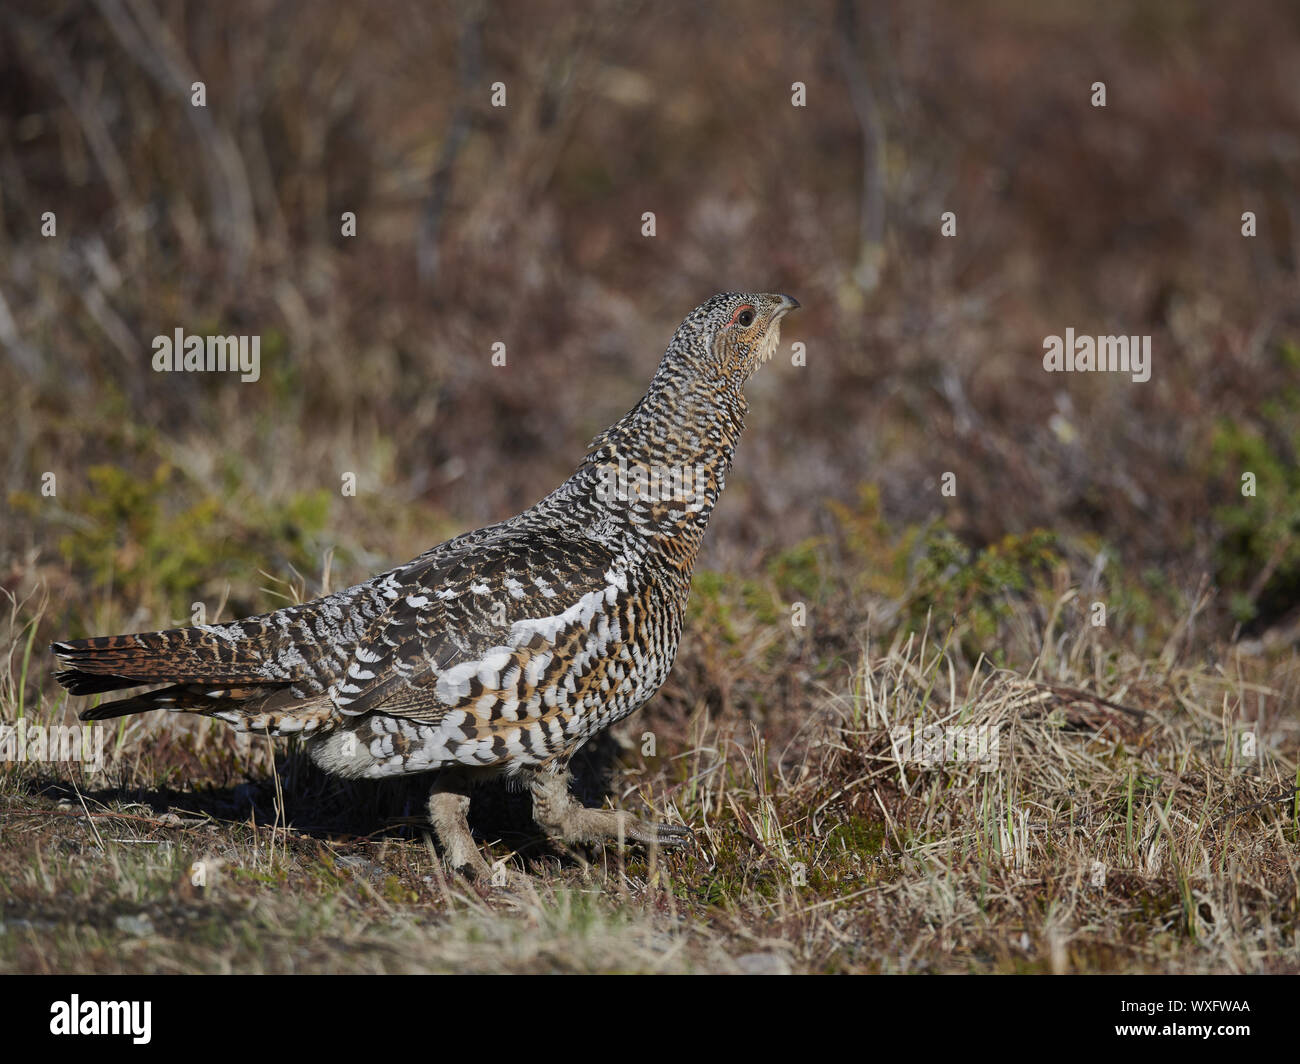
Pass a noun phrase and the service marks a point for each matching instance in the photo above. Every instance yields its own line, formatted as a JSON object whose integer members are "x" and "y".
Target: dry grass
{"x": 1118, "y": 830}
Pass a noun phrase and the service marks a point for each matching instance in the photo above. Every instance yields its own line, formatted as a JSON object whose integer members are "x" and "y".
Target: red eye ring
{"x": 746, "y": 311}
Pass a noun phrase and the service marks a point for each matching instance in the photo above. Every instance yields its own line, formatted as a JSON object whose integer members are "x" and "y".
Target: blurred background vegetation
{"x": 522, "y": 224}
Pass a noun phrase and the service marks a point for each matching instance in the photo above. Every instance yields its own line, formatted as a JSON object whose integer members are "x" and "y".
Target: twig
{"x": 468, "y": 66}
{"x": 89, "y": 819}
{"x": 871, "y": 222}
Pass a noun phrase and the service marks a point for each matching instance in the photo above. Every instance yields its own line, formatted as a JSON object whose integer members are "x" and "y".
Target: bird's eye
{"x": 745, "y": 318}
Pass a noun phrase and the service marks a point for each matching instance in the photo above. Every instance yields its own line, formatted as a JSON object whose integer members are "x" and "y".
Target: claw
{"x": 674, "y": 836}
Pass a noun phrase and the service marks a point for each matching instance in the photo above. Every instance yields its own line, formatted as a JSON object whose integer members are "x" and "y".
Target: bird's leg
{"x": 566, "y": 820}
{"x": 448, "y": 809}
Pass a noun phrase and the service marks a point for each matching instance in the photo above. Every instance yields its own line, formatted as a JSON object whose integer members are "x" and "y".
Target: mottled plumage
{"x": 502, "y": 650}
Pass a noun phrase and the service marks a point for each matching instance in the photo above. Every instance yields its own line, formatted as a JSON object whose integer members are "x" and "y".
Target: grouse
{"x": 504, "y": 649}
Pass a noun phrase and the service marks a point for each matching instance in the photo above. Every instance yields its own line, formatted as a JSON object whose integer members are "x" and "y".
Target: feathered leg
{"x": 568, "y": 821}
{"x": 448, "y": 809}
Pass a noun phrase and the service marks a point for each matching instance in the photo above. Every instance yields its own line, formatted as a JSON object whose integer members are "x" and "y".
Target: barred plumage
{"x": 502, "y": 650}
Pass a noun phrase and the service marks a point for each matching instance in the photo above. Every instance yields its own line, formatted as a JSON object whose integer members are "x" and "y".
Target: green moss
{"x": 955, "y": 583}
{"x": 798, "y": 572}
{"x": 862, "y": 836}
{"x": 882, "y": 559}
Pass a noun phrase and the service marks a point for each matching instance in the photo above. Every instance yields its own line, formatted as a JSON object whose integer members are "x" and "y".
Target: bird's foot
{"x": 568, "y": 821}
{"x": 610, "y": 825}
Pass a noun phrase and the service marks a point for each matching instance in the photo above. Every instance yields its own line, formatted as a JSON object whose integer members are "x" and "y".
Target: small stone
{"x": 137, "y": 926}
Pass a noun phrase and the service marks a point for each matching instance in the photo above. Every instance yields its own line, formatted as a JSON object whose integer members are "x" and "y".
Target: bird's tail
{"x": 111, "y": 662}
{"x": 218, "y": 672}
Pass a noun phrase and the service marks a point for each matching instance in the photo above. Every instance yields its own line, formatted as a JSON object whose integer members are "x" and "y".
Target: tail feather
{"x": 80, "y": 682}
{"x": 190, "y": 698}
{"x": 246, "y": 673}
{"x": 268, "y": 708}
{"x": 201, "y": 655}
{"x": 124, "y": 707}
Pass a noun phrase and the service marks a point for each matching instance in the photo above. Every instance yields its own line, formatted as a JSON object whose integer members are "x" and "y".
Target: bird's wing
{"x": 489, "y": 631}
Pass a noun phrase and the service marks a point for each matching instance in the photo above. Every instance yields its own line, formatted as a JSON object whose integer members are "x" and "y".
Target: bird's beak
{"x": 784, "y": 304}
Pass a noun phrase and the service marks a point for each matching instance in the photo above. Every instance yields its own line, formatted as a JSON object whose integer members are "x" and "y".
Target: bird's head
{"x": 695, "y": 399}
{"x": 734, "y": 333}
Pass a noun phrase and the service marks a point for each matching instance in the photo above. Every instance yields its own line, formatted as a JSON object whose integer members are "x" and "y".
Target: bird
{"x": 500, "y": 652}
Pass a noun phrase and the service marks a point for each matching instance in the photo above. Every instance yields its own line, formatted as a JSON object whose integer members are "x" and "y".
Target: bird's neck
{"x": 662, "y": 466}
{"x": 677, "y": 421}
